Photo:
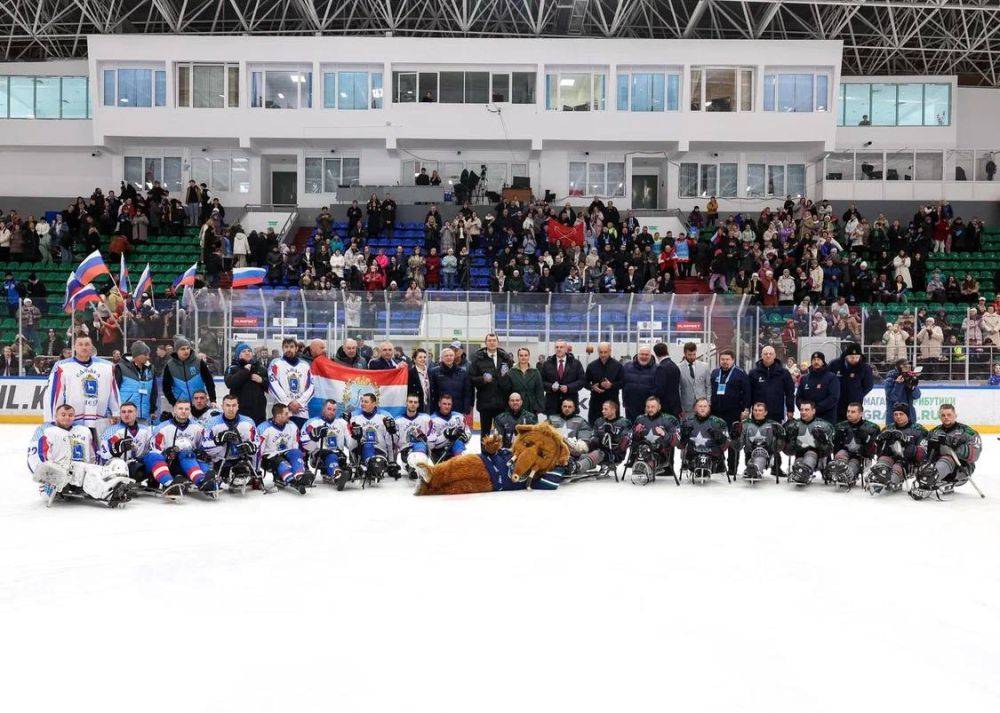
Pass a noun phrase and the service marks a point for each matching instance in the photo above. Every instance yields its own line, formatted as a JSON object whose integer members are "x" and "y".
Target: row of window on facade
{"x": 23, "y": 97}
{"x": 723, "y": 180}
{"x": 885, "y": 104}
{"x": 957, "y": 165}
{"x": 221, "y": 175}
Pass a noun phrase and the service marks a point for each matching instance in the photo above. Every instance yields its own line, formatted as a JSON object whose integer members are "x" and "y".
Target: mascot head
{"x": 537, "y": 449}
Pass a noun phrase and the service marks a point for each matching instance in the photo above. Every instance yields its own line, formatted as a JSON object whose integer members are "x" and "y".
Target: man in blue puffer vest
{"x": 820, "y": 386}
{"x": 137, "y": 383}
{"x": 184, "y": 374}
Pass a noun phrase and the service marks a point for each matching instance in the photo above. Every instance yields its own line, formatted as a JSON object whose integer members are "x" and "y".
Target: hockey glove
{"x": 716, "y": 434}
{"x": 356, "y": 431}
{"x": 820, "y": 435}
{"x": 246, "y": 450}
{"x": 120, "y": 448}
{"x": 321, "y": 432}
{"x": 390, "y": 424}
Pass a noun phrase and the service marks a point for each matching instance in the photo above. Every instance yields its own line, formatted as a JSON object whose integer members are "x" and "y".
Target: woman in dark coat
{"x": 526, "y": 380}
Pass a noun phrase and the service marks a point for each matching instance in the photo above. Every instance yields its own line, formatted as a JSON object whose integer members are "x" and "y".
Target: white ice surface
{"x": 599, "y": 596}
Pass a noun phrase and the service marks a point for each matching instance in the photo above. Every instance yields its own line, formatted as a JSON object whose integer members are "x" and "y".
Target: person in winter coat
{"x": 604, "y": 377}
{"x": 668, "y": 380}
{"x": 856, "y": 378}
{"x": 901, "y": 387}
{"x": 820, "y": 386}
{"x": 525, "y": 380}
{"x": 451, "y": 379}
{"x": 972, "y": 325}
{"x": 729, "y": 397}
{"x": 991, "y": 326}
{"x": 246, "y": 378}
{"x": 895, "y": 343}
{"x": 773, "y": 385}
{"x": 184, "y": 373}
{"x": 562, "y": 377}
{"x": 930, "y": 339}
{"x": 638, "y": 383}
{"x": 486, "y": 368}
{"x": 348, "y": 355}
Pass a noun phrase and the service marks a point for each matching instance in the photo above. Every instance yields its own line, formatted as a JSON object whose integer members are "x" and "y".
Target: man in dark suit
{"x": 603, "y": 377}
{"x": 562, "y": 377}
{"x": 668, "y": 380}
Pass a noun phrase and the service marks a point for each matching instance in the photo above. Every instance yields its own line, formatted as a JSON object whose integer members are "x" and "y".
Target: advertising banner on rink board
{"x": 22, "y": 400}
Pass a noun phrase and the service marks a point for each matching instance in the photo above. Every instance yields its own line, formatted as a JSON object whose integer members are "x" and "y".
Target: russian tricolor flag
{"x": 346, "y": 386}
{"x": 92, "y": 266}
{"x": 248, "y": 276}
{"x": 123, "y": 288}
{"x": 187, "y": 279}
{"x": 145, "y": 282}
{"x": 80, "y": 297}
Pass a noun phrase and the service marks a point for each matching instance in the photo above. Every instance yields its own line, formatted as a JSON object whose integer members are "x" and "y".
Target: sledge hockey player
{"x": 654, "y": 435}
{"x": 854, "y": 444}
{"x": 61, "y": 458}
{"x": 202, "y": 409}
{"x": 899, "y": 448}
{"x": 761, "y": 440}
{"x": 449, "y": 433}
{"x": 952, "y": 451}
{"x": 506, "y": 423}
{"x": 609, "y": 443}
{"x": 85, "y": 382}
{"x": 176, "y": 454}
{"x": 129, "y": 440}
{"x": 704, "y": 439}
{"x": 280, "y": 455}
{"x": 372, "y": 439}
{"x": 230, "y": 443}
{"x": 413, "y": 428}
{"x": 290, "y": 381}
{"x": 323, "y": 439}
{"x": 575, "y": 429}
{"x": 810, "y": 441}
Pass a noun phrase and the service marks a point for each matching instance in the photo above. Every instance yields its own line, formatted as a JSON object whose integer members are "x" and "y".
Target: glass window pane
{"x": 109, "y": 87}
{"x": 551, "y": 91}
{"x": 306, "y": 90}
{"x": 3, "y": 97}
{"x": 353, "y": 90}
{"x": 595, "y": 179}
{"x": 930, "y": 166}
{"x": 795, "y": 176}
{"x": 840, "y": 166}
{"x": 22, "y": 97}
{"x": 657, "y": 93}
{"x": 986, "y": 165}
{"x": 769, "y": 89}
{"x": 775, "y": 180}
{"x": 183, "y": 85}
{"x": 755, "y": 179}
{"x": 728, "y": 180}
{"x": 133, "y": 170}
{"x": 500, "y": 88}
{"x": 868, "y": 167}
{"x": 331, "y": 174}
{"x": 152, "y": 171}
{"x": 621, "y": 102}
{"x": 523, "y": 87}
{"x": 172, "y": 174}
{"x": 314, "y": 175}
{"x": 428, "y": 86}
{"x": 406, "y": 87}
{"x": 281, "y": 90}
{"x": 822, "y": 92}
{"x": 709, "y": 179}
{"x": 161, "y": 88}
{"x": 746, "y": 90}
{"x": 883, "y": 105}
{"x": 350, "y": 174}
{"x": 642, "y": 90}
{"x": 135, "y": 88}
{"x": 616, "y": 179}
{"x": 899, "y": 166}
{"x": 599, "y": 95}
{"x": 477, "y": 87}
{"x": 257, "y": 89}
{"x": 687, "y": 180}
{"x": 376, "y": 90}
{"x": 220, "y": 174}
{"x": 720, "y": 90}
{"x": 937, "y": 105}
{"x": 962, "y": 161}
{"x": 786, "y": 92}
{"x": 911, "y": 104}
{"x": 209, "y": 87}
{"x": 241, "y": 175}
{"x": 360, "y": 90}
{"x": 234, "y": 86}
{"x": 673, "y": 92}
{"x": 857, "y": 104}
{"x": 840, "y": 105}
{"x": 696, "y": 89}
{"x": 452, "y": 87}
{"x": 201, "y": 170}
{"x": 329, "y": 90}
{"x": 47, "y": 99}
{"x": 577, "y": 177}
{"x": 574, "y": 92}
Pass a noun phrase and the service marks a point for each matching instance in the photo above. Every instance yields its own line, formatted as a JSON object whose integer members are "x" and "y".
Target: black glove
{"x": 321, "y": 432}
{"x": 121, "y": 447}
{"x": 735, "y": 429}
{"x": 356, "y": 431}
{"x": 171, "y": 453}
{"x": 231, "y": 438}
{"x": 463, "y": 436}
{"x": 686, "y": 432}
{"x": 245, "y": 450}
{"x": 716, "y": 434}
{"x": 953, "y": 440}
{"x": 390, "y": 424}
{"x": 821, "y": 436}
{"x": 452, "y": 433}
{"x": 779, "y": 432}
{"x": 890, "y": 437}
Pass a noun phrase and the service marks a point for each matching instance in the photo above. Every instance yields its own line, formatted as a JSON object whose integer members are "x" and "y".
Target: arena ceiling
{"x": 880, "y": 36}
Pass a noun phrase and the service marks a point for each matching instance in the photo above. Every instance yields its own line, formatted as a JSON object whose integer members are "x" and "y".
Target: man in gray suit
{"x": 695, "y": 378}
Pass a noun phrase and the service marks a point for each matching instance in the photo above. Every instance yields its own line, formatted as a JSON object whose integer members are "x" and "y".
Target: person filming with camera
{"x": 902, "y": 386}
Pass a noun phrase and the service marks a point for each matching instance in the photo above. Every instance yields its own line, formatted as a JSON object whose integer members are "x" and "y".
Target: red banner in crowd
{"x": 564, "y": 235}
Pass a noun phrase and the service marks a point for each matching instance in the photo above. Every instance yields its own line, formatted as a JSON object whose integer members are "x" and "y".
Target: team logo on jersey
{"x": 90, "y": 386}
{"x": 293, "y": 383}
{"x": 77, "y": 445}
{"x": 354, "y": 389}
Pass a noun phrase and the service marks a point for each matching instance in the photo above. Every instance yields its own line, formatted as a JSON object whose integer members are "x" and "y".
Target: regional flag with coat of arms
{"x": 346, "y": 386}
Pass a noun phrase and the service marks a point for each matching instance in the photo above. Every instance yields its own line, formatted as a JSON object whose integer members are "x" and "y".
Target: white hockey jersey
{"x": 336, "y": 438}
{"x": 273, "y": 439}
{"x": 290, "y": 382}
{"x": 408, "y": 430}
{"x": 89, "y": 388}
{"x": 215, "y": 426}
{"x": 374, "y": 424}
{"x": 141, "y": 435}
{"x": 52, "y": 444}
{"x": 186, "y": 438}
{"x": 210, "y": 413}
{"x": 440, "y": 424}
